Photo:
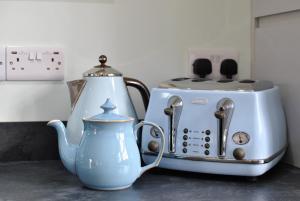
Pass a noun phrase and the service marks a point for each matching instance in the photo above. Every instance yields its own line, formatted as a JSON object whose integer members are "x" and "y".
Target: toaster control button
{"x": 239, "y": 153}
{"x": 184, "y": 144}
{"x": 185, "y": 137}
{"x": 207, "y": 132}
{"x": 184, "y": 150}
{"x": 206, "y": 152}
{"x": 185, "y": 130}
{"x": 207, "y": 139}
{"x": 206, "y": 145}
{"x": 153, "y": 146}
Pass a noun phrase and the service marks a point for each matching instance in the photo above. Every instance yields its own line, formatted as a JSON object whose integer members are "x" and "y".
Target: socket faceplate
{"x": 34, "y": 63}
{"x": 2, "y": 64}
{"x": 216, "y": 56}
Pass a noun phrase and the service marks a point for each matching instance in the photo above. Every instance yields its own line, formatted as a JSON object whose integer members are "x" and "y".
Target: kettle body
{"x": 96, "y": 90}
{"x": 98, "y": 84}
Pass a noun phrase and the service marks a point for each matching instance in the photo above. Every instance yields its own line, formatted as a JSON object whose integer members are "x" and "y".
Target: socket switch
{"x": 34, "y": 63}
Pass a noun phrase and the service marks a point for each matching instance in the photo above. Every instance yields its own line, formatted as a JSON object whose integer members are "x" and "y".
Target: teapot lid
{"x": 108, "y": 116}
{"x": 102, "y": 70}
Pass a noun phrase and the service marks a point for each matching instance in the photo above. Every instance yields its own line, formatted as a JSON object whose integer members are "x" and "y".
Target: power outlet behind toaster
{"x": 214, "y": 59}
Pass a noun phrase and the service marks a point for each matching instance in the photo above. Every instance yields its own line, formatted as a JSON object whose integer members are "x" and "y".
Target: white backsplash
{"x": 144, "y": 39}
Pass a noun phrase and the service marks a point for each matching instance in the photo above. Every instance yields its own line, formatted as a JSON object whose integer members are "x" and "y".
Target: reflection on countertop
{"x": 48, "y": 180}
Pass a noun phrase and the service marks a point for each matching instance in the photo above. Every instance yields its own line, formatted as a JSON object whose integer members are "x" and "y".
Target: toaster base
{"x": 251, "y": 170}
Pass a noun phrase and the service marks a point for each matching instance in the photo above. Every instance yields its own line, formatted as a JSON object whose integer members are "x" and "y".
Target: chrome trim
{"x": 188, "y": 84}
{"x": 218, "y": 160}
{"x": 98, "y": 71}
{"x": 102, "y": 70}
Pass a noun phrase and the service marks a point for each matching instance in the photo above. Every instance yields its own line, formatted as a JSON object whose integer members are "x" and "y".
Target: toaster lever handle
{"x": 173, "y": 111}
{"x": 224, "y": 113}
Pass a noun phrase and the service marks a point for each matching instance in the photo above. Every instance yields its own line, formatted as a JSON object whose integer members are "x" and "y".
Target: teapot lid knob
{"x": 108, "y": 106}
{"x": 108, "y": 115}
{"x": 102, "y": 60}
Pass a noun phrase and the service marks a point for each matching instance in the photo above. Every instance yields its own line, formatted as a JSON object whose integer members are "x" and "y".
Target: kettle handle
{"x": 162, "y": 142}
{"x": 141, "y": 87}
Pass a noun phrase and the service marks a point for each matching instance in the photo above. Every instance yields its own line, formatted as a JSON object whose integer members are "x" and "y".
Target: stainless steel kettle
{"x": 98, "y": 84}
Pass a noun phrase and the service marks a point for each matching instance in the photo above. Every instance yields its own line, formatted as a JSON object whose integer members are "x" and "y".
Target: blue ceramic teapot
{"x": 107, "y": 157}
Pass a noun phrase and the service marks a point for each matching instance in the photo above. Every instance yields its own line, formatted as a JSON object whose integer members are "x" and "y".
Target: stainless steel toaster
{"x": 220, "y": 127}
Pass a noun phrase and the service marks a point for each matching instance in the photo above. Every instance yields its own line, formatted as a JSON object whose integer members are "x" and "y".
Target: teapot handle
{"x": 162, "y": 142}
{"x": 140, "y": 87}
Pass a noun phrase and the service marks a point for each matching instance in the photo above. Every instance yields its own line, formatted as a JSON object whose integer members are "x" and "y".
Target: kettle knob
{"x": 102, "y": 60}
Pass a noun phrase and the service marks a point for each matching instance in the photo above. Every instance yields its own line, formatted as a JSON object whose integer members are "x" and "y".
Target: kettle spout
{"x": 67, "y": 151}
{"x": 75, "y": 89}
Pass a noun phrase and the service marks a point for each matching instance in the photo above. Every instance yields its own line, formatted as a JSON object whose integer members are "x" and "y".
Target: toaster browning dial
{"x": 241, "y": 138}
{"x": 155, "y": 132}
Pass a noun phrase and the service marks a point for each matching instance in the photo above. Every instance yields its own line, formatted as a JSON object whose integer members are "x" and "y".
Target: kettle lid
{"x": 108, "y": 116}
{"x": 102, "y": 70}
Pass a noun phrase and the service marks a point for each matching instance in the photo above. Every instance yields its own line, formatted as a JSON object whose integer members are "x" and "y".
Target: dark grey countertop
{"x": 48, "y": 180}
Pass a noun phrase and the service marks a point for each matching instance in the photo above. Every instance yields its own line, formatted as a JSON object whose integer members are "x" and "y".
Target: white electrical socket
{"x": 2, "y": 64}
{"x": 34, "y": 63}
{"x": 216, "y": 56}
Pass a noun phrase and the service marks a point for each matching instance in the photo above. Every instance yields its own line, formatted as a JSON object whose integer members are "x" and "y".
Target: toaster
{"x": 220, "y": 127}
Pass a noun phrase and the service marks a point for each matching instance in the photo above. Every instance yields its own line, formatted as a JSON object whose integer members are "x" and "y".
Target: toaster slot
{"x": 173, "y": 111}
{"x": 224, "y": 113}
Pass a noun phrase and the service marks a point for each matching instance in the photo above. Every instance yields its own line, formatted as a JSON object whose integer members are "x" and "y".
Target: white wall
{"x": 145, "y": 39}
{"x": 277, "y": 48}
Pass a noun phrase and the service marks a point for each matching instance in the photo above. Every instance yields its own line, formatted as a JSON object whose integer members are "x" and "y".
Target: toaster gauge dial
{"x": 240, "y": 138}
{"x": 155, "y": 132}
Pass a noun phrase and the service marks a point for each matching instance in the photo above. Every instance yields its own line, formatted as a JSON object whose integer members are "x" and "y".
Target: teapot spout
{"x": 67, "y": 151}
{"x": 75, "y": 89}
